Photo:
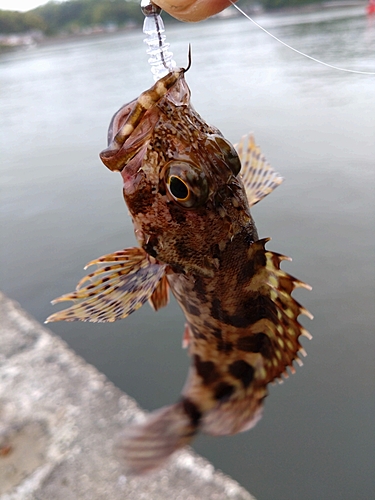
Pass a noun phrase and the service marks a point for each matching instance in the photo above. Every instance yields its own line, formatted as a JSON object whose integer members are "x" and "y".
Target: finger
{"x": 193, "y": 10}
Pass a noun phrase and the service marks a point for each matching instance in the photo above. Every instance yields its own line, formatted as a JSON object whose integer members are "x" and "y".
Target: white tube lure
{"x": 161, "y": 58}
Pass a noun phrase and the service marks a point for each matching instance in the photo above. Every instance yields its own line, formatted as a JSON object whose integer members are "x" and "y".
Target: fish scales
{"x": 190, "y": 206}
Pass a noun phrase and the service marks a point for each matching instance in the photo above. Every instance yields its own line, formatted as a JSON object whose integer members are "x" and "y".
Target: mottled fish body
{"x": 190, "y": 207}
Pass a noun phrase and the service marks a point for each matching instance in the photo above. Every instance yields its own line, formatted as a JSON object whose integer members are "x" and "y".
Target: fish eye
{"x": 230, "y": 154}
{"x": 178, "y": 188}
{"x": 186, "y": 183}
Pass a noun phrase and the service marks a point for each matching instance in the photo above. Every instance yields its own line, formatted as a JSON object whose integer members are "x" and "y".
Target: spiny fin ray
{"x": 115, "y": 290}
{"x": 281, "y": 325}
{"x": 259, "y": 178}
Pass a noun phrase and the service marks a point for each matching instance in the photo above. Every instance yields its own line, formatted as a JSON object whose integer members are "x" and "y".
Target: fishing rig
{"x": 161, "y": 58}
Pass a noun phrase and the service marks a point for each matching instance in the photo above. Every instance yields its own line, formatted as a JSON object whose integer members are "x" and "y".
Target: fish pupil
{"x": 178, "y": 188}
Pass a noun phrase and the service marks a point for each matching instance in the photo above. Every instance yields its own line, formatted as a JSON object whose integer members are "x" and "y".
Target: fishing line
{"x": 156, "y": 13}
{"x": 298, "y": 51}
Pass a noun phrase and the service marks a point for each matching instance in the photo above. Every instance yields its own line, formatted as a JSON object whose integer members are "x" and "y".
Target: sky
{"x": 22, "y": 5}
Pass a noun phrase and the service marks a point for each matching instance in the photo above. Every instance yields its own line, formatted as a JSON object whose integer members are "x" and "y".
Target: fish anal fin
{"x": 187, "y": 336}
{"x": 258, "y": 177}
{"x": 122, "y": 283}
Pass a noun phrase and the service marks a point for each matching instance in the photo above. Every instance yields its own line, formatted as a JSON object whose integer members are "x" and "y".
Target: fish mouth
{"x": 131, "y": 173}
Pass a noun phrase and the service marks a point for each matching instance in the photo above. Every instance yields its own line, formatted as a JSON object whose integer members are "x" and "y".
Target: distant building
{"x": 29, "y": 39}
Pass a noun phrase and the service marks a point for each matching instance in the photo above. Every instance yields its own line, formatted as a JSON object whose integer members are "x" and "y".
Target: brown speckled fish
{"x": 190, "y": 209}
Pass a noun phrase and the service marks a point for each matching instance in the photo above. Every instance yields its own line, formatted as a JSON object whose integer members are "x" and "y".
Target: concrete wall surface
{"x": 58, "y": 418}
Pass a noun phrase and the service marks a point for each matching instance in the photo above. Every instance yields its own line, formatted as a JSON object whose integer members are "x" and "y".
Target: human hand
{"x": 192, "y": 10}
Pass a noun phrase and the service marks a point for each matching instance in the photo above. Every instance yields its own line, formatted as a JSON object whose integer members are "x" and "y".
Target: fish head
{"x": 180, "y": 177}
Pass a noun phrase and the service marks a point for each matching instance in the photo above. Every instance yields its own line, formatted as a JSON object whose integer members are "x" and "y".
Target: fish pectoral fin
{"x": 122, "y": 283}
{"x": 259, "y": 178}
{"x": 160, "y": 296}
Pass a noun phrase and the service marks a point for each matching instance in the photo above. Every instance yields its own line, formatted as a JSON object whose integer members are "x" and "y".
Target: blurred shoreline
{"x": 32, "y": 39}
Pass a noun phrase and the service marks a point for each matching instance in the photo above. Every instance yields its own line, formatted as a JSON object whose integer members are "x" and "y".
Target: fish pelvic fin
{"x": 160, "y": 296}
{"x": 258, "y": 177}
{"x": 122, "y": 283}
{"x": 144, "y": 447}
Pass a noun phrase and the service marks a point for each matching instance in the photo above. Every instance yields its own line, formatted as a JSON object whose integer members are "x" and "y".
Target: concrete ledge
{"x": 58, "y": 418}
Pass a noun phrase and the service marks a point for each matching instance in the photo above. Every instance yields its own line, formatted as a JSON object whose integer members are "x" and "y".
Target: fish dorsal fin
{"x": 258, "y": 176}
{"x": 282, "y": 327}
{"x": 122, "y": 283}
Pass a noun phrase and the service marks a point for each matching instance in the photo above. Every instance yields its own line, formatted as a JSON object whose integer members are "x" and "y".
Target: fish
{"x": 189, "y": 192}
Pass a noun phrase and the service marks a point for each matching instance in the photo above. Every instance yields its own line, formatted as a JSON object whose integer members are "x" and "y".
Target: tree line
{"x": 71, "y": 15}
{"x": 54, "y": 17}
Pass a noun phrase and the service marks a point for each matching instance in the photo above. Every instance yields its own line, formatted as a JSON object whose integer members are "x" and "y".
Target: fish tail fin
{"x": 144, "y": 447}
